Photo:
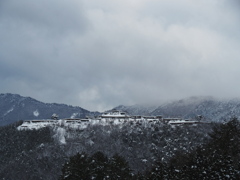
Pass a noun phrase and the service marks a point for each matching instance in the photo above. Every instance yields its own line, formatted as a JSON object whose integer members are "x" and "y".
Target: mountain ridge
{"x": 14, "y": 107}
{"x": 211, "y": 108}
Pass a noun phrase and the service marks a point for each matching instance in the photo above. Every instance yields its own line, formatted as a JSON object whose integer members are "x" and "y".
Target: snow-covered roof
{"x": 183, "y": 122}
{"x": 114, "y": 113}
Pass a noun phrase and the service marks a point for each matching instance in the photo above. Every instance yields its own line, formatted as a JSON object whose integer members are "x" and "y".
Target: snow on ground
{"x": 60, "y": 127}
{"x": 36, "y": 113}
{"x": 74, "y": 115}
{"x": 75, "y": 124}
{"x": 60, "y": 135}
{"x": 10, "y": 110}
{"x": 84, "y": 123}
{"x": 36, "y": 124}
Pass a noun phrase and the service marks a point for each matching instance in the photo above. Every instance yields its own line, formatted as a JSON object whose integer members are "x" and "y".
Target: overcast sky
{"x": 98, "y": 54}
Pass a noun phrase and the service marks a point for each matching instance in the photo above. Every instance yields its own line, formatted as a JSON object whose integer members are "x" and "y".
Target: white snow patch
{"x": 36, "y": 113}
{"x": 90, "y": 142}
{"x": 10, "y": 110}
{"x": 37, "y": 124}
{"x": 60, "y": 135}
{"x": 41, "y": 145}
{"x": 74, "y": 115}
{"x": 61, "y": 122}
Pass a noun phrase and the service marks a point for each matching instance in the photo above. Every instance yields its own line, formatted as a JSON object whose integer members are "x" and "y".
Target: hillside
{"x": 137, "y": 109}
{"x": 210, "y": 108}
{"x": 14, "y": 107}
{"x": 40, "y": 154}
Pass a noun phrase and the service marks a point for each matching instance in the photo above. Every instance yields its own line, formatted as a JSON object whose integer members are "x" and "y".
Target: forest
{"x": 147, "y": 151}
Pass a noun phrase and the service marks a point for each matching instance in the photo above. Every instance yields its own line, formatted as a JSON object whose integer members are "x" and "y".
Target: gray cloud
{"x": 101, "y": 53}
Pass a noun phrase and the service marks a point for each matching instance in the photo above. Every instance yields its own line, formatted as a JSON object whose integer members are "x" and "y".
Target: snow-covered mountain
{"x": 137, "y": 109}
{"x": 43, "y": 151}
{"x": 40, "y": 154}
{"x": 212, "y": 109}
{"x": 14, "y": 107}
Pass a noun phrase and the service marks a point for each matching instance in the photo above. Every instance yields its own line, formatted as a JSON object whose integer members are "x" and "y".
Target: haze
{"x": 99, "y": 54}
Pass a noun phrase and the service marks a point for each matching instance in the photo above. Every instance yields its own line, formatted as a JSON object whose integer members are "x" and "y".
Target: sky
{"x": 98, "y": 54}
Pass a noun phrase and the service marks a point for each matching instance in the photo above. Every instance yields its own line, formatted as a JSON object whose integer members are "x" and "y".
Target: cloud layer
{"x": 98, "y": 54}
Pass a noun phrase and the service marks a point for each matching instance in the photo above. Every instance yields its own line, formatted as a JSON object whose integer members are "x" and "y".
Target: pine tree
{"x": 158, "y": 171}
{"x": 119, "y": 168}
{"x": 98, "y": 165}
{"x": 77, "y": 168}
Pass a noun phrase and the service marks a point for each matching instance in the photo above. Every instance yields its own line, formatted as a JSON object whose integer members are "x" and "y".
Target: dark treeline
{"x": 128, "y": 151}
{"x": 219, "y": 158}
{"x": 97, "y": 166}
{"x": 19, "y": 153}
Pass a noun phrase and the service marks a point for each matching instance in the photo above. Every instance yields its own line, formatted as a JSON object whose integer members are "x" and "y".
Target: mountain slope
{"x": 40, "y": 154}
{"x": 186, "y": 108}
{"x": 14, "y": 107}
{"x": 210, "y": 108}
{"x": 137, "y": 109}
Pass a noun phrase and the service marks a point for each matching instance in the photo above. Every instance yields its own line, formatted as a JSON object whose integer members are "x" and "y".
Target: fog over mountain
{"x": 14, "y": 107}
{"x": 38, "y": 149}
{"x": 98, "y": 54}
{"x": 212, "y": 109}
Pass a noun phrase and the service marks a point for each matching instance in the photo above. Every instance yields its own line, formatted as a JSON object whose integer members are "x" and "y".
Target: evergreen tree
{"x": 158, "y": 171}
{"x": 223, "y": 150}
{"x": 77, "y": 168}
{"x": 225, "y": 139}
{"x": 119, "y": 168}
{"x": 99, "y": 166}
{"x": 217, "y": 159}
